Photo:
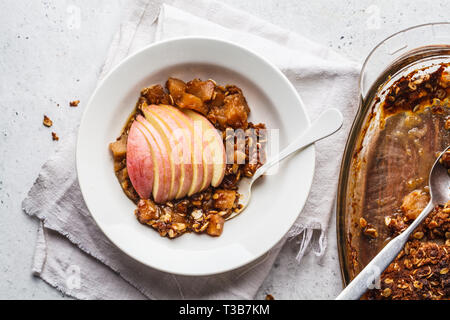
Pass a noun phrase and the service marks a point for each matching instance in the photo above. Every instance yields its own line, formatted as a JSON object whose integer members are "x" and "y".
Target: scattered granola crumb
{"x": 74, "y": 103}
{"x": 270, "y": 297}
{"x": 47, "y": 122}
{"x": 371, "y": 232}
{"x": 55, "y": 136}
{"x": 362, "y": 222}
{"x": 367, "y": 228}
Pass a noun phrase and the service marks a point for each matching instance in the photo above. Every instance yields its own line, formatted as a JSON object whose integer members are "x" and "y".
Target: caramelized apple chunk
{"x": 184, "y": 100}
{"x": 217, "y": 117}
{"x": 189, "y": 101}
{"x": 233, "y": 90}
{"x": 224, "y": 199}
{"x": 176, "y": 87}
{"x": 233, "y": 113}
{"x": 218, "y": 97}
{"x": 155, "y": 95}
{"x": 414, "y": 203}
{"x": 119, "y": 147}
{"x": 147, "y": 211}
{"x": 215, "y": 226}
{"x": 202, "y": 89}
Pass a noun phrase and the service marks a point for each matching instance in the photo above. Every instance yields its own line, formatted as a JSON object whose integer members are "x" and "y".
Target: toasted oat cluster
{"x": 203, "y": 212}
{"x": 421, "y": 270}
{"x": 414, "y": 92}
{"x": 47, "y": 121}
{"x": 74, "y": 103}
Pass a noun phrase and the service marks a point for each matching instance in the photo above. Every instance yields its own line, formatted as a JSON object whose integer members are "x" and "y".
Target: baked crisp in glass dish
{"x": 416, "y": 124}
{"x": 402, "y": 126}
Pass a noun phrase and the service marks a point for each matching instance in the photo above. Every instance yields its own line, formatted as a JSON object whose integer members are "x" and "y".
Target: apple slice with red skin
{"x": 179, "y": 140}
{"x": 214, "y": 146}
{"x": 161, "y": 162}
{"x": 171, "y": 146}
{"x": 196, "y": 147}
{"x": 139, "y": 161}
{"x": 206, "y": 154}
{"x": 181, "y": 134}
{"x": 173, "y": 153}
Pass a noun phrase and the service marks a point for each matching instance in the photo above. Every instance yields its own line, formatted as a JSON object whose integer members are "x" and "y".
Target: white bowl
{"x": 276, "y": 199}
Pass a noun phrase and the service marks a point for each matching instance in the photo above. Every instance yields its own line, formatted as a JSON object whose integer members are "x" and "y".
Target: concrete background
{"x": 46, "y": 62}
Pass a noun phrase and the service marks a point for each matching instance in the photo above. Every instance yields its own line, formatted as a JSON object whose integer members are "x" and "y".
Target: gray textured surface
{"x": 48, "y": 58}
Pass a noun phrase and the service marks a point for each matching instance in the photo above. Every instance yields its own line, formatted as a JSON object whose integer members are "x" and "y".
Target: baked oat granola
{"x": 421, "y": 269}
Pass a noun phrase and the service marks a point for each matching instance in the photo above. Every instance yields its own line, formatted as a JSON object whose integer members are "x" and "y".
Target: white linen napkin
{"x": 73, "y": 255}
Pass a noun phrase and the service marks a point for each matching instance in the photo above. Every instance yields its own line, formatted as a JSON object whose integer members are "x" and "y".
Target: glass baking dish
{"x": 419, "y": 47}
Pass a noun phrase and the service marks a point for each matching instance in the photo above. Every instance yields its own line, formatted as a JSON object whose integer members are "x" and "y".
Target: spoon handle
{"x": 326, "y": 124}
{"x": 369, "y": 277}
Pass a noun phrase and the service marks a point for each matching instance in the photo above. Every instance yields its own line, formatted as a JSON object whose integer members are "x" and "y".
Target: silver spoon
{"x": 326, "y": 124}
{"x": 439, "y": 183}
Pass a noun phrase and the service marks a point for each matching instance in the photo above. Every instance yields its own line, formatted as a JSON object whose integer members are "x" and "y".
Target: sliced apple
{"x": 206, "y": 154}
{"x": 181, "y": 134}
{"x": 178, "y": 141}
{"x": 139, "y": 161}
{"x": 215, "y": 146}
{"x": 173, "y": 153}
{"x": 171, "y": 147}
{"x": 161, "y": 162}
{"x": 184, "y": 121}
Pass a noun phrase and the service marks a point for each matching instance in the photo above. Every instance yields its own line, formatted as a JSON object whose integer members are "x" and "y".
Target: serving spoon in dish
{"x": 439, "y": 183}
{"x": 326, "y": 124}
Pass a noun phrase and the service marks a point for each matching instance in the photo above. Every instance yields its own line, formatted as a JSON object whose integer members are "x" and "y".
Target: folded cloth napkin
{"x": 74, "y": 256}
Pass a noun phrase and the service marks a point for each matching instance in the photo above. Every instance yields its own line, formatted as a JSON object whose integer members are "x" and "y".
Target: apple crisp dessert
{"x": 182, "y": 153}
{"x": 416, "y": 127}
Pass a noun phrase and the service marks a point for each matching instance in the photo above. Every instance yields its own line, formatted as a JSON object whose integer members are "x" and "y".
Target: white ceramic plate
{"x": 276, "y": 199}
